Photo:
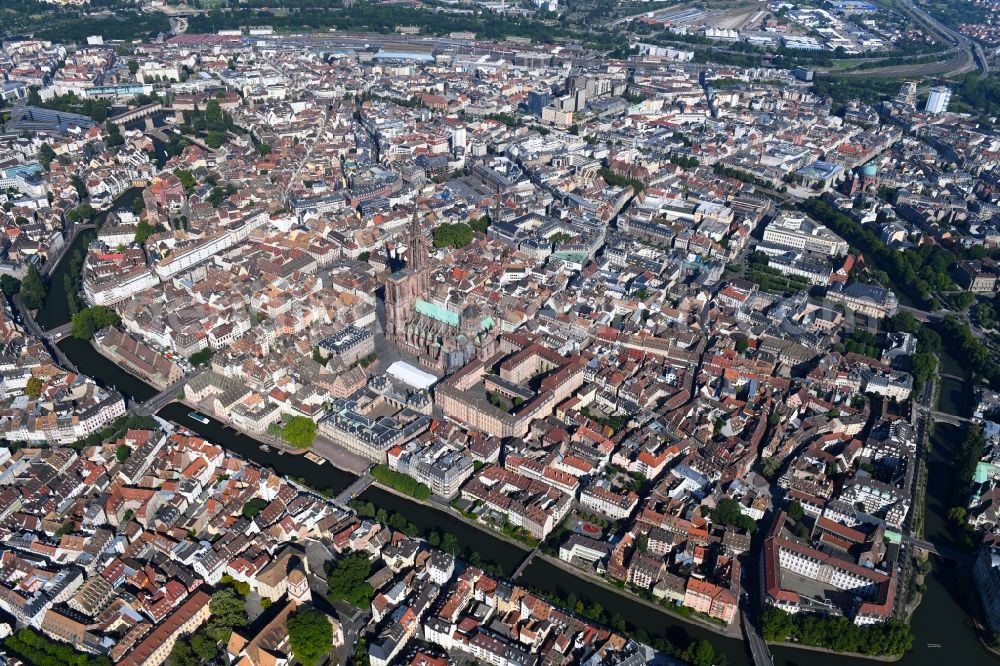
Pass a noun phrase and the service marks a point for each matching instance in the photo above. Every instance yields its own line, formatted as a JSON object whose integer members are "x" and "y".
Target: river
{"x": 55, "y": 311}
{"x": 941, "y": 618}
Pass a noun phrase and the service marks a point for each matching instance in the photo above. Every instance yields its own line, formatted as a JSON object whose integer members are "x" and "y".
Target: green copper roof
{"x": 436, "y": 312}
{"x": 984, "y": 471}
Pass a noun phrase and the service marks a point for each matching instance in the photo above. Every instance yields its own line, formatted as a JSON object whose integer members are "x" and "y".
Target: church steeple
{"x": 417, "y": 242}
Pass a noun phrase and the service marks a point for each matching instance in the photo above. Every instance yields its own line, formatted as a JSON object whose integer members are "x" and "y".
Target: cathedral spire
{"x": 417, "y": 260}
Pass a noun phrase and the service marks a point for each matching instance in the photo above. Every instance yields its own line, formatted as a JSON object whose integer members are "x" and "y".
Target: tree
{"x": 203, "y": 646}
{"x": 214, "y": 118}
{"x": 449, "y": 543}
{"x": 795, "y": 510}
{"x": 263, "y": 149}
{"x": 300, "y": 431}
{"x": 89, "y": 321}
{"x": 348, "y": 580}
{"x": 456, "y": 235}
{"x": 201, "y": 357}
{"x": 187, "y": 179}
{"x": 727, "y": 512}
{"x": 143, "y": 231}
{"x": 216, "y": 196}
{"x": 79, "y": 186}
{"x": 480, "y": 225}
{"x": 122, "y": 452}
{"x": 701, "y": 653}
{"x": 133, "y": 67}
{"x": 227, "y": 612}
{"x": 182, "y": 655}
{"x": 81, "y": 214}
{"x": 33, "y": 289}
{"x": 215, "y": 139}
{"x": 253, "y": 506}
{"x": 9, "y": 284}
{"x": 310, "y": 635}
{"x": 45, "y": 155}
{"x": 34, "y": 387}
{"x": 986, "y": 316}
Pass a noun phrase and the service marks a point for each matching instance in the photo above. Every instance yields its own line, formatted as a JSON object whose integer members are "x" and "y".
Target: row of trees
{"x": 32, "y": 289}
{"x": 618, "y": 180}
{"x": 404, "y": 483}
{"x": 740, "y": 175}
{"x": 923, "y": 364}
{"x": 970, "y": 351}
{"x": 116, "y": 429}
{"x": 981, "y": 95}
{"x": 697, "y": 652}
{"x": 37, "y": 650}
{"x": 891, "y": 639}
{"x": 383, "y": 19}
{"x": 436, "y": 538}
{"x": 966, "y": 462}
{"x": 917, "y": 272}
{"x": 212, "y": 123}
{"x": 96, "y": 109}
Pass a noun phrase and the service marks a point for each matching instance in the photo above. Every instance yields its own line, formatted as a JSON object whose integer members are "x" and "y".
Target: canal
{"x": 493, "y": 550}
{"x": 324, "y": 478}
{"x": 55, "y": 311}
{"x": 547, "y": 577}
{"x": 107, "y": 373}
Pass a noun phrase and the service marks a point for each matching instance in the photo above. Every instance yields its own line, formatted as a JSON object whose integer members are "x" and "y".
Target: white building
{"x": 802, "y": 233}
{"x": 938, "y": 99}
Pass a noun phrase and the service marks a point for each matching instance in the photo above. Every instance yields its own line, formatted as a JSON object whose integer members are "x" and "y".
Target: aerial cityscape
{"x": 521, "y": 333}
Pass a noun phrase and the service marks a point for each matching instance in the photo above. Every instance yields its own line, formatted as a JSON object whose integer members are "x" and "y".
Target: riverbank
{"x": 733, "y": 630}
{"x": 730, "y": 631}
{"x": 159, "y": 385}
{"x": 846, "y": 655}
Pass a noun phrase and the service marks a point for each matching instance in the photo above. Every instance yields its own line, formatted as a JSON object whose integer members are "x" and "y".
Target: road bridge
{"x": 944, "y": 552}
{"x": 138, "y": 113}
{"x": 59, "y": 332}
{"x": 524, "y": 564}
{"x": 758, "y": 648}
{"x": 167, "y": 395}
{"x": 360, "y": 485}
{"x": 953, "y": 419}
